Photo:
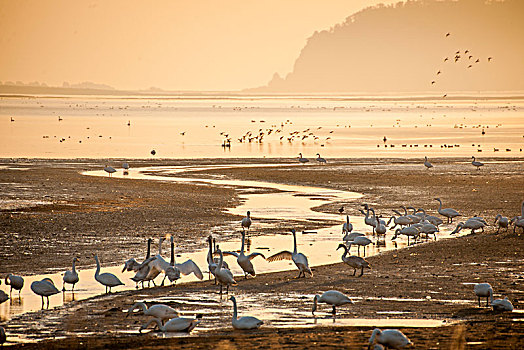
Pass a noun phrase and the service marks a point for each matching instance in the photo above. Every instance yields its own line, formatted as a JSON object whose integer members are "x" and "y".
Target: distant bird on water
{"x": 153, "y": 152}
{"x": 476, "y": 163}
{"x": 320, "y": 159}
{"x": 302, "y": 159}
{"x": 448, "y": 34}
{"x": 341, "y": 209}
{"x": 109, "y": 169}
{"x": 12, "y": 119}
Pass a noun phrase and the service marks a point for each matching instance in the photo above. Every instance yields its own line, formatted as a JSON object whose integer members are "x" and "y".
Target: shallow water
{"x": 97, "y": 127}
{"x": 294, "y": 202}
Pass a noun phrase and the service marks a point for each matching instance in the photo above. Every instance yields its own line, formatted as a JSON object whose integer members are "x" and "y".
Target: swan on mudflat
{"x": 299, "y": 259}
{"x": 390, "y": 338}
{"x": 244, "y": 322}
{"x": 245, "y": 260}
{"x": 333, "y": 298}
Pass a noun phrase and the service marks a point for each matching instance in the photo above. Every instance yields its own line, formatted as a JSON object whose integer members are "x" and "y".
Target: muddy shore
{"x": 83, "y": 214}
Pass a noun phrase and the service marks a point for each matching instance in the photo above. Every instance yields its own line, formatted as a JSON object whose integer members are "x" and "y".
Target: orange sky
{"x": 174, "y": 44}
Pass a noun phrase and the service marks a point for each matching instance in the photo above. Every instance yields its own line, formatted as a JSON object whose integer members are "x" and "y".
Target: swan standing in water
{"x": 211, "y": 261}
{"x": 223, "y": 275}
{"x": 320, "y": 159}
{"x": 472, "y": 224}
{"x": 179, "y": 324}
{"x": 347, "y": 227}
{"x": 299, "y": 259}
{"x": 390, "y": 338}
{"x": 70, "y": 276}
{"x": 356, "y": 262}
{"x": 132, "y": 264}
{"x": 359, "y": 241}
{"x": 3, "y": 297}
{"x": 244, "y": 322}
{"x": 44, "y": 288}
{"x": 110, "y": 170}
{"x": 503, "y": 222}
{"x": 476, "y": 163}
{"x": 174, "y": 270}
{"x": 245, "y": 260}
{"x": 301, "y": 159}
{"x": 160, "y": 311}
{"x": 483, "y": 290}
{"x": 427, "y": 164}
{"x": 16, "y": 282}
{"x": 246, "y": 222}
{"x": 447, "y": 212}
{"x": 107, "y": 279}
{"x": 333, "y": 298}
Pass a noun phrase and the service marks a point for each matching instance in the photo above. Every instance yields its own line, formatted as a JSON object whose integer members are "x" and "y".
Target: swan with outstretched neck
{"x": 356, "y": 262}
{"x": 71, "y": 276}
{"x": 245, "y": 260}
{"x": 449, "y": 213}
{"x": 299, "y": 259}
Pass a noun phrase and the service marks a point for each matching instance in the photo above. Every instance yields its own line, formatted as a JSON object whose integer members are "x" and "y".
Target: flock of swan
{"x": 411, "y": 224}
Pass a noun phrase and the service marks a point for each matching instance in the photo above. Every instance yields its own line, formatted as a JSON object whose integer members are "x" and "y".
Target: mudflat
{"x": 68, "y": 214}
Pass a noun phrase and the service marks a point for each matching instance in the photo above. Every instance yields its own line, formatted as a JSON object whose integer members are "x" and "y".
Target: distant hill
{"x": 402, "y": 47}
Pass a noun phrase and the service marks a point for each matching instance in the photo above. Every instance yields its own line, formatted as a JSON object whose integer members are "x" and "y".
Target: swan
{"x": 245, "y": 260}
{"x": 517, "y": 221}
{"x": 107, "y": 279}
{"x": 415, "y": 217}
{"x": 299, "y": 259}
{"x": 427, "y": 164}
{"x": 428, "y": 228}
{"x": 333, "y": 298}
{"x": 483, "y": 290}
{"x": 132, "y": 264}
{"x": 160, "y": 311}
{"x": 471, "y": 224}
{"x": 432, "y": 219}
{"x": 44, "y": 288}
{"x": 213, "y": 262}
{"x": 380, "y": 227}
{"x": 246, "y": 222}
{"x": 16, "y": 282}
{"x": 390, "y": 338}
{"x": 359, "y": 241}
{"x": 399, "y": 221}
{"x": 410, "y": 231}
{"x": 351, "y": 236}
{"x": 448, "y": 212}
{"x": 179, "y": 324}
{"x": 244, "y": 322}
{"x": 503, "y": 222}
{"x": 356, "y": 262}
{"x": 174, "y": 270}
{"x": 157, "y": 265}
{"x": 142, "y": 271}
{"x": 320, "y": 159}
{"x": 476, "y": 163}
{"x": 368, "y": 220}
{"x": 70, "y": 276}
{"x": 109, "y": 169}
{"x": 347, "y": 227}
{"x": 502, "y": 305}
{"x": 302, "y": 160}
{"x": 223, "y": 275}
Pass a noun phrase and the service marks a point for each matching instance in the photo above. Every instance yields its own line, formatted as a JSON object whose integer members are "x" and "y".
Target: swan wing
{"x": 235, "y": 254}
{"x": 190, "y": 267}
{"x": 254, "y": 255}
{"x": 109, "y": 279}
{"x": 284, "y": 255}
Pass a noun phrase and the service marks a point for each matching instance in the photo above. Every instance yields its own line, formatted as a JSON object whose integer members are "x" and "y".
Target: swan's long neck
{"x": 347, "y": 219}
{"x": 172, "y": 262}
{"x": 148, "y": 249}
{"x": 315, "y": 300}
{"x": 97, "y": 272}
{"x": 210, "y": 252}
{"x": 139, "y": 304}
{"x": 440, "y": 205}
{"x": 74, "y": 262}
{"x": 242, "y": 247}
{"x": 234, "y": 309}
{"x": 345, "y": 252}
{"x": 160, "y": 327}
{"x": 220, "y": 262}
{"x": 160, "y": 246}
{"x": 294, "y": 242}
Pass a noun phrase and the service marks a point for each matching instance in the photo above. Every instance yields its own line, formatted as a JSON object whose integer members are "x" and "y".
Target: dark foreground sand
{"x": 122, "y": 213}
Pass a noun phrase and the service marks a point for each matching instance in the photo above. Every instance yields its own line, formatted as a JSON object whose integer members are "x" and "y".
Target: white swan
{"x": 410, "y": 231}
{"x": 447, "y": 212}
{"x": 476, "y": 163}
{"x": 70, "y": 276}
{"x": 179, "y": 324}
{"x": 160, "y": 311}
{"x": 245, "y": 260}
{"x": 347, "y": 227}
{"x": 246, "y": 222}
{"x": 143, "y": 271}
{"x": 483, "y": 290}
{"x": 502, "y": 305}
{"x": 223, "y": 275}
{"x": 390, "y": 338}
{"x": 356, "y": 262}
{"x": 471, "y": 224}
{"x": 320, "y": 159}
{"x": 368, "y": 220}
{"x": 302, "y": 160}
{"x": 157, "y": 265}
{"x": 351, "y": 236}
{"x": 399, "y": 221}
{"x": 432, "y": 219}
{"x": 244, "y": 322}
{"x": 188, "y": 267}
{"x": 359, "y": 241}
{"x": 427, "y": 164}
{"x": 132, "y": 264}
{"x": 333, "y": 298}
{"x": 107, "y": 279}
{"x": 517, "y": 223}
{"x": 503, "y": 222}
{"x": 299, "y": 259}
{"x": 44, "y": 288}
{"x": 109, "y": 169}
{"x": 16, "y": 282}
{"x": 380, "y": 227}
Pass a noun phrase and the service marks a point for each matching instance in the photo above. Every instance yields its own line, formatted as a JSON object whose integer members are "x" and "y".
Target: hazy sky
{"x": 174, "y": 44}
